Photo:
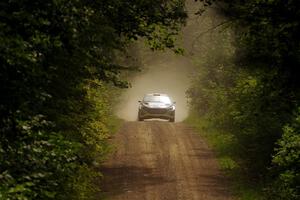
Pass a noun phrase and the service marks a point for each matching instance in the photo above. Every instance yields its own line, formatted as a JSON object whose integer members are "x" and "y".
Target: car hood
{"x": 156, "y": 105}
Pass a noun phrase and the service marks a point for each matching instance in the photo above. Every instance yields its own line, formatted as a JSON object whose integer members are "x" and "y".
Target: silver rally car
{"x": 156, "y": 105}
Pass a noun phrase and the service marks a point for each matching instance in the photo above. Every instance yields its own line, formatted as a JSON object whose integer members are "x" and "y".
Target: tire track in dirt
{"x": 157, "y": 160}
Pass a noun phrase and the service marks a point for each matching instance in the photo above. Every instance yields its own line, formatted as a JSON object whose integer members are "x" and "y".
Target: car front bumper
{"x": 161, "y": 113}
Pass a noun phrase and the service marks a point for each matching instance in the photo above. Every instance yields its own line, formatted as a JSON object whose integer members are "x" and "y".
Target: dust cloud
{"x": 165, "y": 72}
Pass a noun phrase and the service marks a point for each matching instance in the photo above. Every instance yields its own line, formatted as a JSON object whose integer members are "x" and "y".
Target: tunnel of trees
{"x": 58, "y": 74}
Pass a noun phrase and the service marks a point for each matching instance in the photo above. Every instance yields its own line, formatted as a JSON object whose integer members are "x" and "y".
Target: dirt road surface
{"x": 157, "y": 160}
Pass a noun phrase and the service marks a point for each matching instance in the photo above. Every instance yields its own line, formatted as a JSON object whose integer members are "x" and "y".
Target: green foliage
{"x": 58, "y": 68}
{"x": 36, "y": 162}
{"x": 257, "y": 115}
{"x": 286, "y": 162}
{"x": 226, "y": 147}
{"x": 41, "y": 164}
{"x": 253, "y": 93}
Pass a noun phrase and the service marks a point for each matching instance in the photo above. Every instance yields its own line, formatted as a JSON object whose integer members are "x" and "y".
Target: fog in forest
{"x": 166, "y": 72}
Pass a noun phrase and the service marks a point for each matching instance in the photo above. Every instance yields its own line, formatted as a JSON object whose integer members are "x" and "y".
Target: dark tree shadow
{"x": 121, "y": 179}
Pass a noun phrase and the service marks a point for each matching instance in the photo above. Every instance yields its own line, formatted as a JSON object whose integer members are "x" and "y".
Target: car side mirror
{"x": 174, "y": 102}
{"x": 140, "y": 101}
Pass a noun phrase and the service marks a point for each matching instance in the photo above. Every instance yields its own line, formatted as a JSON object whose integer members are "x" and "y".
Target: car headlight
{"x": 143, "y": 105}
{"x": 172, "y": 108}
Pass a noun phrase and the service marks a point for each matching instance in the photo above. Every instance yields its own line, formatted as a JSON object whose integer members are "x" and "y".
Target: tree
{"x": 55, "y": 56}
{"x": 258, "y": 105}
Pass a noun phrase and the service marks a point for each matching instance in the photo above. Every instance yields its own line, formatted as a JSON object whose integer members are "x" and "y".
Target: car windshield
{"x": 162, "y": 99}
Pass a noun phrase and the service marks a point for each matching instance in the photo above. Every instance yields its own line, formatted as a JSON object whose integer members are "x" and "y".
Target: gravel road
{"x": 156, "y": 160}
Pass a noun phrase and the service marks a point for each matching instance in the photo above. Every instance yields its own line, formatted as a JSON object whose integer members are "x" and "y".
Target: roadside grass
{"x": 115, "y": 124}
{"x": 227, "y": 149}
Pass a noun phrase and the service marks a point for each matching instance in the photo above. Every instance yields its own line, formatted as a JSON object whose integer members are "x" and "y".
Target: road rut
{"x": 157, "y": 160}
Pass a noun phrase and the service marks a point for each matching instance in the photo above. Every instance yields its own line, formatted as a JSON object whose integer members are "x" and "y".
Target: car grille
{"x": 155, "y": 110}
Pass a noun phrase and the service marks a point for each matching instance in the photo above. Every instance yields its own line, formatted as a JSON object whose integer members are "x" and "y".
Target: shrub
{"x": 286, "y": 162}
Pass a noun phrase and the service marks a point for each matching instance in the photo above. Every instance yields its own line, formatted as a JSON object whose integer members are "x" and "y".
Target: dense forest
{"x": 57, "y": 74}
{"x": 248, "y": 91}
